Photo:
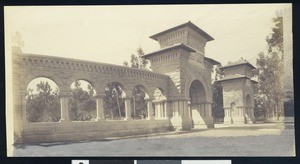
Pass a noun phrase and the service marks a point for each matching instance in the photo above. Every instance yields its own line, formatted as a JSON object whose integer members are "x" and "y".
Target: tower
{"x": 182, "y": 57}
{"x": 238, "y": 93}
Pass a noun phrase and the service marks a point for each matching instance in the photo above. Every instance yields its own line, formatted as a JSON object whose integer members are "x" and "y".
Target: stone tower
{"x": 182, "y": 57}
{"x": 238, "y": 93}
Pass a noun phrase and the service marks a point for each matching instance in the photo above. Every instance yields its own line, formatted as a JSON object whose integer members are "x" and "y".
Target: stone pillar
{"x": 180, "y": 107}
{"x": 127, "y": 109}
{"x": 100, "y": 108}
{"x": 227, "y": 117}
{"x": 165, "y": 109}
{"x": 180, "y": 121}
{"x": 150, "y": 110}
{"x": 64, "y": 103}
{"x": 176, "y": 111}
{"x": 185, "y": 109}
{"x": 189, "y": 109}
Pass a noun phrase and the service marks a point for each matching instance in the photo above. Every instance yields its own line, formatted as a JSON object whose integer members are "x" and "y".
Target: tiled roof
{"x": 239, "y": 63}
{"x": 212, "y": 61}
{"x": 189, "y": 24}
{"x": 235, "y": 76}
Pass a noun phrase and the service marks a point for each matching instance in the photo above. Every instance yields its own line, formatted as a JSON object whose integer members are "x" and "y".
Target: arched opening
{"x": 249, "y": 109}
{"x": 114, "y": 102}
{"x": 139, "y": 102}
{"x": 197, "y": 92}
{"x": 42, "y": 101}
{"x": 82, "y": 104}
{"x": 197, "y": 104}
{"x": 160, "y": 104}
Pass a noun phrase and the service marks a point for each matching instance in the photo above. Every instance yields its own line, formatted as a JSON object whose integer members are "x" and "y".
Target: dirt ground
{"x": 220, "y": 141}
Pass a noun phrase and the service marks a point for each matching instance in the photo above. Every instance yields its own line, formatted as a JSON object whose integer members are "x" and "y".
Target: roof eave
{"x": 191, "y": 25}
{"x": 170, "y": 48}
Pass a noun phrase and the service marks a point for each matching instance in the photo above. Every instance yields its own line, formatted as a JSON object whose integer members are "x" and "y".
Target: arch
{"x": 42, "y": 102}
{"x": 159, "y": 94}
{"x": 84, "y": 85}
{"x": 28, "y": 79}
{"x": 37, "y": 80}
{"x": 120, "y": 84}
{"x": 82, "y": 105}
{"x": 197, "y": 76}
{"x": 197, "y": 92}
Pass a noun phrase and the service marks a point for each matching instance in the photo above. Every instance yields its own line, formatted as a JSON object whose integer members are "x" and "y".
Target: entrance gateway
{"x": 179, "y": 87}
{"x": 182, "y": 58}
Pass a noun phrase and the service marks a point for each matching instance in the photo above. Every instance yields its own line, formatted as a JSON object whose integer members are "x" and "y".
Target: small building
{"x": 238, "y": 93}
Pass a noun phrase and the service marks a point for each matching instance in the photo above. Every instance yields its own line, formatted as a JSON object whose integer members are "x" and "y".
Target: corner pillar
{"x": 149, "y": 110}
{"x": 100, "y": 108}
{"x": 127, "y": 108}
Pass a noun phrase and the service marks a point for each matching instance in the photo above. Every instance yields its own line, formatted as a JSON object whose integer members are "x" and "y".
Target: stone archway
{"x": 199, "y": 108}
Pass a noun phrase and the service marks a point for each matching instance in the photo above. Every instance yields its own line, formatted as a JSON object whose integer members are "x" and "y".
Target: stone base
{"x": 250, "y": 120}
{"x": 204, "y": 123}
{"x": 238, "y": 120}
{"x": 181, "y": 123}
{"x": 227, "y": 120}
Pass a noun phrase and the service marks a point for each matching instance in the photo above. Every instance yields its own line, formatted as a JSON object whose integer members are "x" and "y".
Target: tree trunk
{"x": 119, "y": 106}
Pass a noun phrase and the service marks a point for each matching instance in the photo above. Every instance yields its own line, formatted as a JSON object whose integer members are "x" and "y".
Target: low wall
{"x": 88, "y": 130}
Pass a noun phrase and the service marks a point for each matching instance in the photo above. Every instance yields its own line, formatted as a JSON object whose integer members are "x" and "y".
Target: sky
{"x": 110, "y": 34}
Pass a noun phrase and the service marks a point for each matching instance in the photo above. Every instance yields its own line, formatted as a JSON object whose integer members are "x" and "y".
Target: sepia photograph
{"x": 149, "y": 81}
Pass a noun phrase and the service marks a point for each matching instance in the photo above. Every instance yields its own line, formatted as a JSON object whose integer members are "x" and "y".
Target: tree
{"x": 136, "y": 61}
{"x": 114, "y": 102}
{"x": 270, "y": 73}
{"x": 43, "y": 106}
{"x": 139, "y": 104}
{"x": 82, "y": 106}
{"x": 270, "y": 83}
{"x": 217, "y": 106}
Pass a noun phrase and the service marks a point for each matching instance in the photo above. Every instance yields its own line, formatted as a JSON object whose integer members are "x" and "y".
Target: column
{"x": 176, "y": 109}
{"x": 150, "y": 110}
{"x": 127, "y": 109}
{"x": 189, "y": 109}
{"x": 100, "y": 108}
{"x": 185, "y": 109}
{"x": 165, "y": 109}
{"x": 64, "y": 100}
{"x": 180, "y": 107}
{"x": 158, "y": 110}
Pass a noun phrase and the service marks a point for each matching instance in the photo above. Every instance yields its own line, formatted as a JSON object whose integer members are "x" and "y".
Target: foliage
{"x": 217, "y": 106}
{"x": 82, "y": 106}
{"x": 139, "y": 104}
{"x": 275, "y": 40}
{"x": 137, "y": 61}
{"x": 114, "y": 102}
{"x": 43, "y": 106}
{"x": 270, "y": 95}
